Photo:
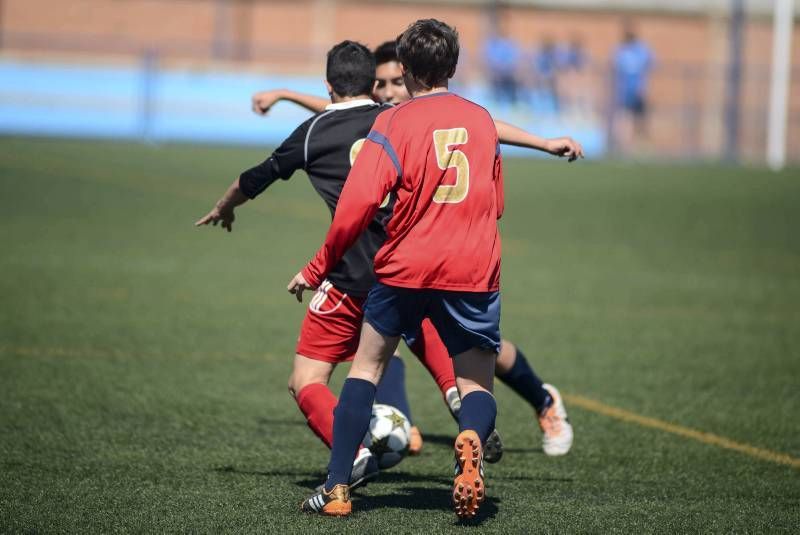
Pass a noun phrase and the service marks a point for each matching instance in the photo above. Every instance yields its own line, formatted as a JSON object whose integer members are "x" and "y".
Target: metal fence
{"x": 85, "y": 87}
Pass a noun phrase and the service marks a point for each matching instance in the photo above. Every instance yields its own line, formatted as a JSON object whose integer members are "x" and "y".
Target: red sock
{"x": 316, "y": 401}
{"x": 432, "y": 353}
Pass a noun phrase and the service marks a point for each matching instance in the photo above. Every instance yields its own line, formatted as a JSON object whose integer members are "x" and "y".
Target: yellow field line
{"x": 700, "y": 436}
{"x": 574, "y": 400}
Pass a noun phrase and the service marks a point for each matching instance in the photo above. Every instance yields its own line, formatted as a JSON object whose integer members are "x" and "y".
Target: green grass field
{"x": 143, "y": 361}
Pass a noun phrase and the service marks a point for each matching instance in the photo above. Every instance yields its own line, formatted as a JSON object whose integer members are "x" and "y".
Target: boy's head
{"x": 389, "y": 84}
{"x": 350, "y": 71}
{"x": 428, "y": 49}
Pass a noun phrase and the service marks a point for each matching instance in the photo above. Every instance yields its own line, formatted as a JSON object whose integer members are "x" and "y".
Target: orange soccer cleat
{"x": 333, "y": 503}
{"x": 468, "y": 488}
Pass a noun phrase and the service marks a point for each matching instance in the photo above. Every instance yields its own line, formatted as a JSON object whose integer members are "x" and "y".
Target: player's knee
{"x": 299, "y": 379}
{"x": 292, "y": 390}
{"x": 506, "y": 357}
{"x": 298, "y": 382}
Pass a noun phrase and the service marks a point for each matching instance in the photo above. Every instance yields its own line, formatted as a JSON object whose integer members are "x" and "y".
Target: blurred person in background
{"x": 573, "y": 75}
{"x": 545, "y": 74}
{"x": 631, "y": 64}
{"x": 502, "y": 57}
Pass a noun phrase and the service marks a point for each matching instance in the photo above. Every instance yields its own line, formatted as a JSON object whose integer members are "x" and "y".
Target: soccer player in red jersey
{"x": 439, "y": 155}
{"x": 512, "y": 367}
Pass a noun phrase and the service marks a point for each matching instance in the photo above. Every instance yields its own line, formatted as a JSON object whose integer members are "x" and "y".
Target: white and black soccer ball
{"x": 388, "y": 435}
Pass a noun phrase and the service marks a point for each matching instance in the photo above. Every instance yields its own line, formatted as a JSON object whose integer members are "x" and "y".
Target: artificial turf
{"x": 143, "y": 362}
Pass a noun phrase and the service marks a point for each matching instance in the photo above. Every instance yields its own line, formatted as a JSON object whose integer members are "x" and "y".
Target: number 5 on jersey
{"x": 446, "y": 158}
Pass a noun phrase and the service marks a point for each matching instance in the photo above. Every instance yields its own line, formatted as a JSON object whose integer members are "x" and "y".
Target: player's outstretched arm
{"x": 223, "y": 210}
{"x": 560, "y": 146}
{"x": 264, "y": 100}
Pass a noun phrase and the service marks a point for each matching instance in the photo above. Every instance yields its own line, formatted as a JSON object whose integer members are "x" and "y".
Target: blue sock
{"x": 392, "y": 388}
{"x": 350, "y": 423}
{"x": 478, "y": 411}
{"x": 522, "y": 380}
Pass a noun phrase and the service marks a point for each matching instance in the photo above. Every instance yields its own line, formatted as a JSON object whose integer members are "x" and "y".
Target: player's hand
{"x": 226, "y": 217}
{"x": 264, "y": 100}
{"x": 298, "y": 285}
{"x": 565, "y": 147}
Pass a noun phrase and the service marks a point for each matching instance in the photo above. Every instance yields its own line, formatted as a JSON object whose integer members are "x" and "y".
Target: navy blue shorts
{"x": 463, "y": 319}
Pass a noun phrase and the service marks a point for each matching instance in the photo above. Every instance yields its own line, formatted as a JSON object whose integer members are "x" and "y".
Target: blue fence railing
{"x": 143, "y": 101}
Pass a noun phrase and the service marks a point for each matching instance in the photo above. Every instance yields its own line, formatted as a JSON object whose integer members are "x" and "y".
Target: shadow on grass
{"x": 447, "y": 440}
{"x": 390, "y": 478}
{"x": 535, "y": 451}
{"x": 426, "y": 499}
{"x": 228, "y": 469}
{"x": 396, "y": 477}
{"x": 281, "y": 421}
{"x": 442, "y": 440}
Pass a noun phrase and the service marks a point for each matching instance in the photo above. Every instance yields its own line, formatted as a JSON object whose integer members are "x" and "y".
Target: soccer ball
{"x": 388, "y": 435}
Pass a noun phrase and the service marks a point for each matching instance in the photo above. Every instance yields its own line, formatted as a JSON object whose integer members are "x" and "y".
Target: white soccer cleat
{"x": 556, "y": 429}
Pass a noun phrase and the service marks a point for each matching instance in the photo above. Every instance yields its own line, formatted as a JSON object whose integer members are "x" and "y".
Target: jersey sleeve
{"x": 286, "y": 159}
{"x": 373, "y": 175}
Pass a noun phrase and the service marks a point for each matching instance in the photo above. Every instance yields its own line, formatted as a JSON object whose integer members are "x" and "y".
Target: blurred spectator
{"x": 632, "y": 63}
{"x": 573, "y": 78}
{"x": 572, "y": 56}
{"x": 502, "y": 57}
{"x": 545, "y": 71}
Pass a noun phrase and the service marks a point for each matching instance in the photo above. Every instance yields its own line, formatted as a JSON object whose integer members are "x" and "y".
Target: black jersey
{"x": 325, "y": 146}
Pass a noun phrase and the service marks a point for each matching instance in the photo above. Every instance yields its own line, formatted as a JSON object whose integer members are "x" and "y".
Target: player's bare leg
{"x": 307, "y": 371}
{"x": 474, "y": 376}
{"x": 374, "y": 352}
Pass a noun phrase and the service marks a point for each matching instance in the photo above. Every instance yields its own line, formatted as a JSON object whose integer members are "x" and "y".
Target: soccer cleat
{"x": 468, "y": 489}
{"x": 556, "y": 429}
{"x": 414, "y": 441}
{"x": 333, "y": 503}
{"x": 493, "y": 449}
{"x": 365, "y": 469}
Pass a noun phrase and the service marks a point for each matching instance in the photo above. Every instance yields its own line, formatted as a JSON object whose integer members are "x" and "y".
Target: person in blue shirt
{"x": 572, "y": 55}
{"x": 546, "y": 70}
{"x": 632, "y": 63}
{"x": 502, "y": 56}
{"x": 576, "y": 91}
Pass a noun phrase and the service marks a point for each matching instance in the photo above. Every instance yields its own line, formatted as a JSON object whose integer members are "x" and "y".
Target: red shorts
{"x": 332, "y": 326}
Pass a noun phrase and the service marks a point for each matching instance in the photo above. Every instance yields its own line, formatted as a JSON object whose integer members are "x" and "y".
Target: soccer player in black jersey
{"x": 512, "y": 367}
{"x": 325, "y": 146}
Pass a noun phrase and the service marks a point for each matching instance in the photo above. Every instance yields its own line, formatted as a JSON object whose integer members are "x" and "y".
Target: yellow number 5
{"x": 446, "y": 158}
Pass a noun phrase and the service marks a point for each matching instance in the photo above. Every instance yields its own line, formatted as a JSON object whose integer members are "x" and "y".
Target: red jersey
{"x": 439, "y": 155}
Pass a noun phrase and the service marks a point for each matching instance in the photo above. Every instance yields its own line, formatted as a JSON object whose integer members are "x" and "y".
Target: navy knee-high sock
{"x": 478, "y": 412}
{"x": 522, "y": 380}
{"x": 350, "y": 423}
{"x": 392, "y": 387}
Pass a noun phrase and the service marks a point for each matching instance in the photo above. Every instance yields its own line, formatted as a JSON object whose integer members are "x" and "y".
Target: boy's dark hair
{"x": 429, "y": 50}
{"x": 350, "y": 69}
{"x": 386, "y": 52}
